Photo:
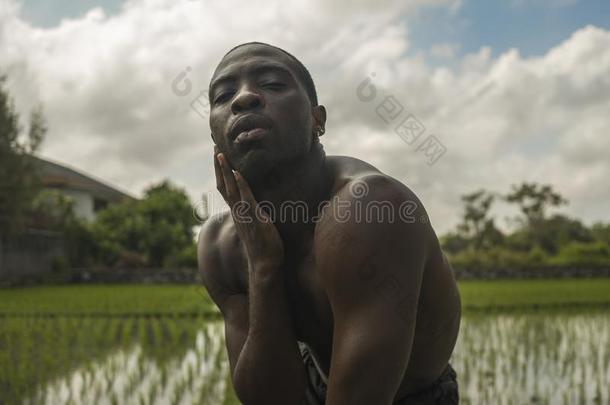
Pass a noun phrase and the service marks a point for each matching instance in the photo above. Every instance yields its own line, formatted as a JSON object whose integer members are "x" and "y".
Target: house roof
{"x": 55, "y": 175}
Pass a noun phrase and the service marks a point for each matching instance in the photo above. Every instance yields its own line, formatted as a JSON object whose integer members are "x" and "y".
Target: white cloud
{"x": 106, "y": 86}
{"x": 444, "y": 50}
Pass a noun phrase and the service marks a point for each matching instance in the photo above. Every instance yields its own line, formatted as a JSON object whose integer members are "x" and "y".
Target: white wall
{"x": 83, "y": 203}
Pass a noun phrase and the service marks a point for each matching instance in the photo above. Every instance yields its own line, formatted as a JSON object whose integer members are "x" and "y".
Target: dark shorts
{"x": 443, "y": 391}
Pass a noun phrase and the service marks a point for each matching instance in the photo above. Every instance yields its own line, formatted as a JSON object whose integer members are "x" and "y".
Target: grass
{"x": 162, "y": 300}
{"x": 106, "y": 300}
{"x": 36, "y": 350}
{"x": 516, "y": 294}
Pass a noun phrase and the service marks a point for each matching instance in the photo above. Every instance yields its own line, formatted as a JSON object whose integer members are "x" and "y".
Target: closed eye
{"x": 222, "y": 97}
{"x": 273, "y": 85}
{"x": 270, "y": 85}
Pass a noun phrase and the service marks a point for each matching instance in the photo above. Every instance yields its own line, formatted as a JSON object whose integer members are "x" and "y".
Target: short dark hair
{"x": 301, "y": 71}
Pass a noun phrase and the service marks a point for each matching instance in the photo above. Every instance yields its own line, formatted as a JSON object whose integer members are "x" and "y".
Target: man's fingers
{"x": 220, "y": 183}
{"x": 231, "y": 190}
{"x": 244, "y": 188}
{"x": 244, "y": 192}
{"x": 246, "y": 195}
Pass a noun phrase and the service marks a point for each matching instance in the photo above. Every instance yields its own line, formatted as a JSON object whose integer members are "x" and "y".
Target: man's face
{"x": 257, "y": 83}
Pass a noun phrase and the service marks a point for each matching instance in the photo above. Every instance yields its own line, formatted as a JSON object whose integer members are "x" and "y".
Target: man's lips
{"x": 248, "y": 123}
{"x": 254, "y": 134}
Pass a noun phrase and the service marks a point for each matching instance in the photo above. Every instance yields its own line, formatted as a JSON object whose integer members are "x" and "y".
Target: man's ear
{"x": 319, "y": 116}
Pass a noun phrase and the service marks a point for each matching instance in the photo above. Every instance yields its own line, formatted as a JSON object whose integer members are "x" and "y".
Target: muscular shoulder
{"x": 216, "y": 239}
{"x": 361, "y": 193}
{"x": 372, "y": 215}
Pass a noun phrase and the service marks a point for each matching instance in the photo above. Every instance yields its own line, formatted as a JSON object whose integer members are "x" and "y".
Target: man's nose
{"x": 246, "y": 100}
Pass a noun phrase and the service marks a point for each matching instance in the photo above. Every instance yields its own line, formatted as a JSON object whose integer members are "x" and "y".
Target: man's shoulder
{"x": 368, "y": 212}
{"x": 346, "y": 167}
{"x": 355, "y": 178}
{"x": 213, "y": 235}
{"x": 361, "y": 185}
{"x": 213, "y": 242}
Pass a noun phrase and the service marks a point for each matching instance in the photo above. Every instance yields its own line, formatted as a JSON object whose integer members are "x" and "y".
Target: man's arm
{"x": 233, "y": 304}
{"x": 267, "y": 367}
{"x": 264, "y": 359}
{"x": 372, "y": 269}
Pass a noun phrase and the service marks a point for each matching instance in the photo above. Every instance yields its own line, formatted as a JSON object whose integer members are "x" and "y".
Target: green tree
{"x": 54, "y": 211}
{"x": 454, "y": 242}
{"x": 533, "y": 200}
{"x": 156, "y": 231}
{"x": 559, "y": 230}
{"x": 601, "y": 232}
{"x": 595, "y": 253}
{"x": 540, "y": 240}
{"x": 477, "y": 225}
{"x": 19, "y": 181}
{"x": 550, "y": 234}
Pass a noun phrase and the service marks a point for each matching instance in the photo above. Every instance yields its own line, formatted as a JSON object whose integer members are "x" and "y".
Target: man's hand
{"x": 267, "y": 364}
{"x": 260, "y": 236}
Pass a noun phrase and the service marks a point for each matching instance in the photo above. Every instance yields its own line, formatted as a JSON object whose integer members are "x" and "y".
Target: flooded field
{"x": 558, "y": 357}
{"x": 520, "y": 358}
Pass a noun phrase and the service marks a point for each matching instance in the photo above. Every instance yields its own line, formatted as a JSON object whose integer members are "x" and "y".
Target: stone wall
{"x": 531, "y": 273}
{"x": 33, "y": 253}
{"x": 104, "y": 276}
{"x": 150, "y": 275}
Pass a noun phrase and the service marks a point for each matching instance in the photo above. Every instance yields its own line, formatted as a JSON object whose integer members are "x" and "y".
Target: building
{"x": 89, "y": 195}
{"x": 33, "y": 254}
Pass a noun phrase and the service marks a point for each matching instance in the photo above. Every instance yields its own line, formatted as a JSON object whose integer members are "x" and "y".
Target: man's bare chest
{"x": 306, "y": 297}
{"x": 308, "y": 301}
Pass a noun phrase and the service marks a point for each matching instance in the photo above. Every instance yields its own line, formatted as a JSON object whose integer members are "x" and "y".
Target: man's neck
{"x": 303, "y": 182}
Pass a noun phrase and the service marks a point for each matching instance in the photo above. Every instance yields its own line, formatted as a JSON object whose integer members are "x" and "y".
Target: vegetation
{"x": 106, "y": 299}
{"x": 499, "y": 358}
{"x": 94, "y": 350}
{"x": 18, "y": 179}
{"x": 522, "y": 294}
{"x": 100, "y": 352}
{"x": 156, "y": 231}
{"x": 537, "y": 240}
{"x": 534, "y": 357}
{"x": 122, "y": 300}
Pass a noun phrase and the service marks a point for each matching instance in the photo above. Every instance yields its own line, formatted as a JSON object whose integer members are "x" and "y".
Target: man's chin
{"x": 255, "y": 164}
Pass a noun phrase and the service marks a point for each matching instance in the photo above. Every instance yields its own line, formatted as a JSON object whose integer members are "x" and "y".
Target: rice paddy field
{"x": 538, "y": 342}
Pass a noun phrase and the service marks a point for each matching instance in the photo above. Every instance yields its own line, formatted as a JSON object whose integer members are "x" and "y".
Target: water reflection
{"x": 133, "y": 376}
{"x": 555, "y": 358}
{"x": 558, "y": 358}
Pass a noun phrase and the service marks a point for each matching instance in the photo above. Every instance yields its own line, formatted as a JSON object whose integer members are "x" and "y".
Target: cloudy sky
{"x": 511, "y": 90}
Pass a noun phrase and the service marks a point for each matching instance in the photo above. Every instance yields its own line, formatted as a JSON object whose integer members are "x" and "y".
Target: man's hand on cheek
{"x": 254, "y": 226}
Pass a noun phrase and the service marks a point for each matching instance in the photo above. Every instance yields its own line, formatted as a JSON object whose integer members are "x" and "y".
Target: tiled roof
{"x": 55, "y": 175}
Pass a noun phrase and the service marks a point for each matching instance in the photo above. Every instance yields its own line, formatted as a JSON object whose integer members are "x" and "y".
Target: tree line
{"x": 538, "y": 239}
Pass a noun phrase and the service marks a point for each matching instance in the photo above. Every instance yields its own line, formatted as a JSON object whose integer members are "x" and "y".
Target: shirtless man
{"x": 322, "y": 304}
